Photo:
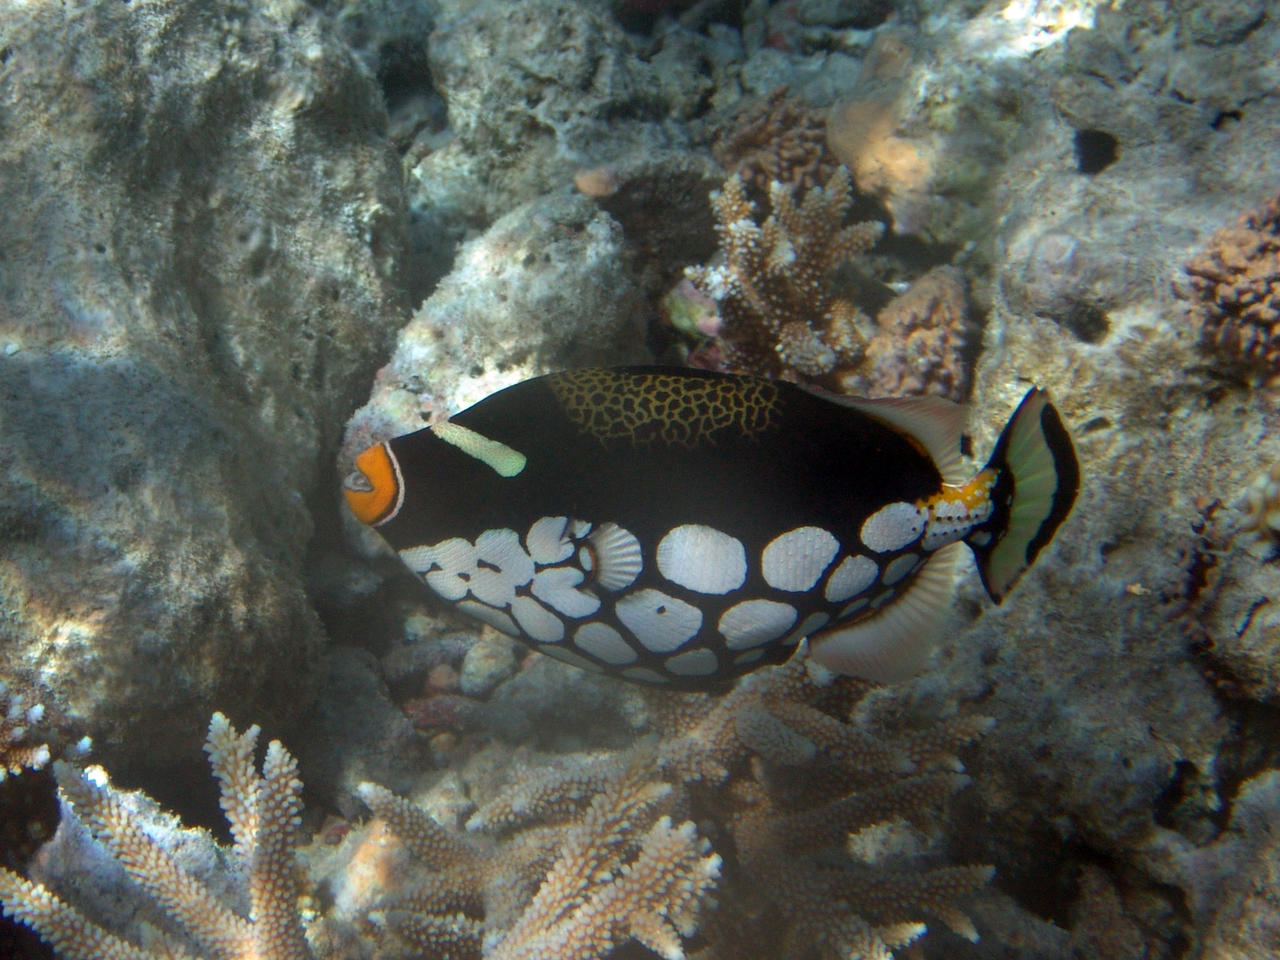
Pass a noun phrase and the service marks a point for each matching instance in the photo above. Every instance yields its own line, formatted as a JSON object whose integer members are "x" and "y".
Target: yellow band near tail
{"x": 382, "y": 500}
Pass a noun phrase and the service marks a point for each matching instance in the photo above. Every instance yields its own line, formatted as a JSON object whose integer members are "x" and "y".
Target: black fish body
{"x": 680, "y": 527}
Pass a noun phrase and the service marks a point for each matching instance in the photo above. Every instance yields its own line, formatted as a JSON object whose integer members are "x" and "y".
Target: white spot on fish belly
{"x": 537, "y": 621}
{"x": 661, "y": 622}
{"x": 849, "y": 579}
{"x": 601, "y": 640}
{"x": 571, "y": 658}
{"x": 693, "y": 663}
{"x": 892, "y": 527}
{"x": 618, "y": 559}
{"x": 755, "y": 622}
{"x": 644, "y": 675}
{"x": 854, "y": 607}
{"x": 495, "y": 618}
{"x": 557, "y": 587}
{"x": 702, "y": 558}
{"x": 501, "y": 566}
{"x": 795, "y": 560}
{"x": 547, "y": 542}
{"x": 899, "y": 567}
{"x": 447, "y": 566}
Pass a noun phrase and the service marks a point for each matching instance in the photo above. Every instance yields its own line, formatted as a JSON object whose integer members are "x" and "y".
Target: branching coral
{"x": 790, "y": 781}
{"x": 263, "y": 812}
{"x": 1232, "y": 291}
{"x": 822, "y": 818}
{"x": 615, "y": 872}
{"x": 780, "y": 317}
{"x": 777, "y": 312}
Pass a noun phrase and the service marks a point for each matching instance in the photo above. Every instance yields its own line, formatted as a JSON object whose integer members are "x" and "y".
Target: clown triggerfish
{"x": 680, "y": 527}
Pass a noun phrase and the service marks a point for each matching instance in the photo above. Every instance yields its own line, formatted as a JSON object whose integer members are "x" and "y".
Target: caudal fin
{"x": 1037, "y": 476}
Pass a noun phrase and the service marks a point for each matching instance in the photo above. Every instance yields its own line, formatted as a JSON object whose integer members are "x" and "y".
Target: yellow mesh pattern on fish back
{"x": 655, "y": 407}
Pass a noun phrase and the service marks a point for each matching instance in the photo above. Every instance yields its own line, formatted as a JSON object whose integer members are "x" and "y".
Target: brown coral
{"x": 777, "y": 139}
{"x": 1233, "y": 292}
{"x": 921, "y": 346}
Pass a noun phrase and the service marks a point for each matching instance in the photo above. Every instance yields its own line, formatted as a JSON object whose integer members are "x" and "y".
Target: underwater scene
{"x": 494, "y": 479}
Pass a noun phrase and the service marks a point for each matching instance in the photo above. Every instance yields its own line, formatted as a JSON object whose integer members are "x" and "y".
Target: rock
{"x": 199, "y": 270}
{"x": 545, "y": 288}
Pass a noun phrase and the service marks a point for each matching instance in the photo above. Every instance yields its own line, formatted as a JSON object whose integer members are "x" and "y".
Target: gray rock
{"x": 545, "y": 288}
{"x": 199, "y": 268}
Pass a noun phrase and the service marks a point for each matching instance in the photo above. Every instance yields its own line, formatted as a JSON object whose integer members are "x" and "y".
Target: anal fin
{"x": 894, "y": 642}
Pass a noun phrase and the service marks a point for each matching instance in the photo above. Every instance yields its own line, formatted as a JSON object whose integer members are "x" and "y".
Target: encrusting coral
{"x": 1232, "y": 291}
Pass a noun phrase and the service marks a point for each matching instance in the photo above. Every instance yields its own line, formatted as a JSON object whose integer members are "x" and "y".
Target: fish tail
{"x": 1036, "y": 478}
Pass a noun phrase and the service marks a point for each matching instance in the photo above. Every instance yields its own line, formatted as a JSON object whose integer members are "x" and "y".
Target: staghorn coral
{"x": 263, "y": 812}
{"x": 613, "y": 873}
{"x": 777, "y": 312}
{"x": 815, "y": 810}
{"x": 777, "y": 139}
{"x": 1232, "y": 291}
{"x": 780, "y": 317}
{"x": 823, "y": 817}
{"x": 16, "y": 721}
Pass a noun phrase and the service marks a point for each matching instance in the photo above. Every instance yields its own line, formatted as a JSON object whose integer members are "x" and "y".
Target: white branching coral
{"x": 785, "y": 773}
{"x": 615, "y": 872}
{"x": 263, "y": 812}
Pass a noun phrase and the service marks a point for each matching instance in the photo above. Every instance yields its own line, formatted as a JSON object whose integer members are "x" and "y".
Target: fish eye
{"x": 357, "y": 482}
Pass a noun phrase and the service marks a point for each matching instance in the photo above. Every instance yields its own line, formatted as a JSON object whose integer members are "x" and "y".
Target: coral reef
{"x": 777, "y": 312}
{"x": 1224, "y": 603}
{"x": 1232, "y": 291}
{"x": 553, "y": 266}
{"x": 780, "y": 317}
{"x": 923, "y": 342}
{"x": 813, "y": 804}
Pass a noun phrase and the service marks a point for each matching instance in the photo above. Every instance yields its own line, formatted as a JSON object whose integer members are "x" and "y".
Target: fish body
{"x": 683, "y": 527}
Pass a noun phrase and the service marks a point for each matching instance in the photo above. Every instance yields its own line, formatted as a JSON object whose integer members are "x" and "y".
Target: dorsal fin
{"x": 935, "y": 422}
